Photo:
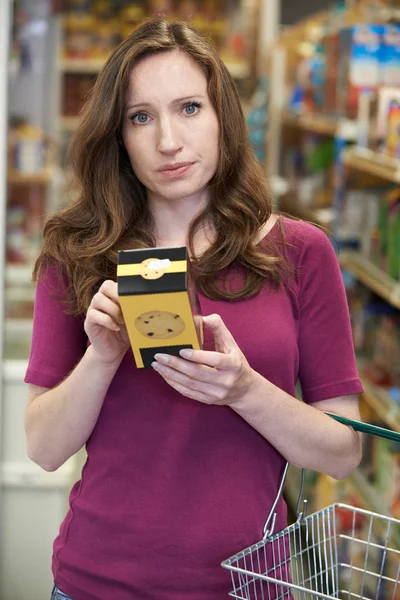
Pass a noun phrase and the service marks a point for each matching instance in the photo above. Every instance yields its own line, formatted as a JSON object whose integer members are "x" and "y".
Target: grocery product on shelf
{"x": 76, "y": 87}
{"x": 92, "y": 29}
{"x": 79, "y": 28}
{"x": 358, "y": 65}
{"x": 257, "y": 118}
{"x": 25, "y": 215}
{"x": 132, "y": 15}
{"x": 342, "y": 87}
{"x": 26, "y": 146}
{"x": 392, "y": 141}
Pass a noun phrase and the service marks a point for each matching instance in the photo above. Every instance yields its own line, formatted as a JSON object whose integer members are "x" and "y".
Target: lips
{"x": 174, "y": 166}
{"x": 175, "y": 170}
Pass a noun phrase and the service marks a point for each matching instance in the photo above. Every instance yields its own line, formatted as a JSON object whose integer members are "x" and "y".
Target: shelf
{"x": 18, "y": 327}
{"x": 368, "y": 493}
{"x": 371, "y": 276}
{"x": 42, "y": 177}
{"x": 19, "y": 293}
{"x": 288, "y": 202}
{"x": 373, "y": 163}
{"x": 69, "y": 124}
{"x": 278, "y": 185}
{"x": 373, "y": 502}
{"x": 381, "y": 403}
{"x": 19, "y": 274}
{"x": 322, "y": 124}
{"x": 81, "y": 65}
{"x": 238, "y": 69}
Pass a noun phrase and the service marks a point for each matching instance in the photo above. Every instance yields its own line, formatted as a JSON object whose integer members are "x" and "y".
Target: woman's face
{"x": 170, "y": 127}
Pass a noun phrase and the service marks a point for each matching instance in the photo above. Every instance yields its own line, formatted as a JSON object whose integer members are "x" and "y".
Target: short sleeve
{"x": 58, "y": 340}
{"x": 327, "y": 364}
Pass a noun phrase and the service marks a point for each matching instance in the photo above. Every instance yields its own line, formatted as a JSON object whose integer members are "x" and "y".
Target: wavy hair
{"x": 110, "y": 211}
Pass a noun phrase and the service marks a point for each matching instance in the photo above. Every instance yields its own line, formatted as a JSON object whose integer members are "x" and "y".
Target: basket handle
{"x": 357, "y": 426}
{"x": 267, "y": 531}
{"x": 368, "y": 428}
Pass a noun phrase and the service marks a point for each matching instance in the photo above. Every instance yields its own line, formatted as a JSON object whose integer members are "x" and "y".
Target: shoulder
{"x": 52, "y": 281}
{"x": 303, "y": 233}
{"x": 305, "y": 240}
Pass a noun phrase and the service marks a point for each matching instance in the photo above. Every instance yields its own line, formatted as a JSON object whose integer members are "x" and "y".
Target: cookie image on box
{"x": 159, "y": 325}
{"x": 147, "y": 272}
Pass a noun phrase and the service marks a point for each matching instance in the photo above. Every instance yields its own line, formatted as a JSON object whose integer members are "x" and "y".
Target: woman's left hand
{"x": 222, "y": 377}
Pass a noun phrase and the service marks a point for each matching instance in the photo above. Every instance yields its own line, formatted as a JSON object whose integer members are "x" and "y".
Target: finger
{"x": 224, "y": 340}
{"x": 200, "y": 372}
{"x": 216, "y": 360}
{"x": 110, "y": 289}
{"x": 106, "y": 305}
{"x": 187, "y": 392}
{"x": 96, "y": 317}
{"x": 192, "y": 383}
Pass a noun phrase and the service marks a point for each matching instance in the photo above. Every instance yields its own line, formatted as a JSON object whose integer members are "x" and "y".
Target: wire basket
{"x": 339, "y": 552}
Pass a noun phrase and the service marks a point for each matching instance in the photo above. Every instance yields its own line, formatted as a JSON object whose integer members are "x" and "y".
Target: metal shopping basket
{"x": 340, "y": 552}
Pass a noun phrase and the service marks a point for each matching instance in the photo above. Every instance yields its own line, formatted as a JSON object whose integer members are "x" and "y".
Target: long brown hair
{"x": 110, "y": 212}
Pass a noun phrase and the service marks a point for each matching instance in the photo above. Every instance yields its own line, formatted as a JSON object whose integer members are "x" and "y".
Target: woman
{"x": 184, "y": 459}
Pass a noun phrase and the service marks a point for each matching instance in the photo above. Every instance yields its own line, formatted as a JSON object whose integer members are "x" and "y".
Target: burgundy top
{"x": 172, "y": 487}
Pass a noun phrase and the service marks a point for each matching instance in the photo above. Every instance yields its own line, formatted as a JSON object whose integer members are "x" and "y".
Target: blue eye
{"x": 192, "y": 108}
{"x": 140, "y": 118}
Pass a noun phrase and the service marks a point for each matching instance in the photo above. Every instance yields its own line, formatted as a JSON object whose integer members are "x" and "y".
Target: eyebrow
{"x": 176, "y": 101}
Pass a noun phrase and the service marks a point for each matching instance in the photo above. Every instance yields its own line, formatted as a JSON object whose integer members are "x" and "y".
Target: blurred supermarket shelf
{"x": 20, "y": 293}
{"x": 322, "y": 124}
{"x": 373, "y": 163}
{"x": 278, "y": 185}
{"x": 382, "y": 405}
{"x": 238, "y": 69}
{"x": 289, "y": 202}
{"x": 372, "y": 501}
{"x": 18, "y": 327}
{"x": 371, "y": 276}
{"x": 17, "y": 177}
{"x": 89, "y": 66}
{"x": 29, "y": 475}
{"x": 19, "y": 274}
{"x": 69, "y": 124}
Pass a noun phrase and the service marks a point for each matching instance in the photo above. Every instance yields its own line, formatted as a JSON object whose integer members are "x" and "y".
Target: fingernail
{"x": 155, "y": 365}
{"x": 116, "y": 328}
{"x": 162, "y": 358}
{"x": 186, "y": 353}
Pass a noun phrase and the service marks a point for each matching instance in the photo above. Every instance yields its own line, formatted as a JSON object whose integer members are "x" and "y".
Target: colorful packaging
{"x": 331, "y": 51}
{"x": 159, "y": 302}
{"x": 386, "y": 96}
{"x": 392, "y": 145}
{"x": 390, "y": 56}
{"x": 359, "y": 65}
{"x": 393, "y": 240}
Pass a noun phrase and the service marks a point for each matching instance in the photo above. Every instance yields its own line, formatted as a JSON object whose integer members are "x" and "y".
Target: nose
{"x": 168, "y": 139}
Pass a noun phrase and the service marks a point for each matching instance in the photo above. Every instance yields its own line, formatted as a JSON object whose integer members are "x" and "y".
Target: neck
{"x": 172, "y": 218}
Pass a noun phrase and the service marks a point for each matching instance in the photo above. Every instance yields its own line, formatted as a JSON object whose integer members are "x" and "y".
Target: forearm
{"x": 304, "y": 435}
{"x": 59, "y": 422}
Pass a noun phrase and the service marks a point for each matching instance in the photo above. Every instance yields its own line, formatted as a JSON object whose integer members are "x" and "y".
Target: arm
{"x": 58, "y": 421}
{"x": 304, "y": 435}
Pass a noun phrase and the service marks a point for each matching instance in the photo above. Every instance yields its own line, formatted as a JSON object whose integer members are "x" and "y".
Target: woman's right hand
{"x": 105, "y": 326}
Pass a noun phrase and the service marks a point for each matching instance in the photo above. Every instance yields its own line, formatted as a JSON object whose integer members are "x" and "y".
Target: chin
{"x": 179, "y": 190}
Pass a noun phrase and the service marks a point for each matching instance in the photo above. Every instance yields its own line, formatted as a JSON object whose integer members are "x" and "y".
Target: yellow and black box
{"x": 159, "y": 302}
